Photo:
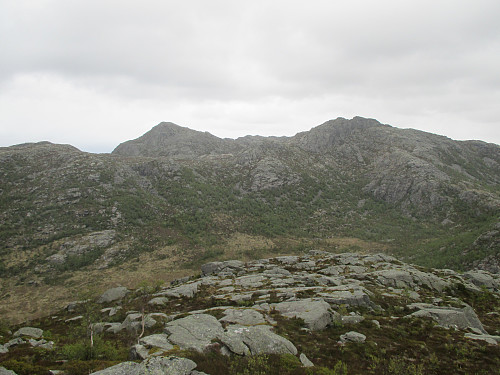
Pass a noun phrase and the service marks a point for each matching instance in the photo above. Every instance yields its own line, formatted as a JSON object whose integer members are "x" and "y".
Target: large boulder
{"x": 138, "y": 351}
{"x": 482, "y": 279}
{"x": 152, "y": 366}
{"x": 256, "y": 340}
{"x": 194, "y": 332}
{"x": 133, "y": 322}
{"x": 410, "y": 278}
{"x": 452, "y": 317}
{"x": 352, "y": 336}
{"x": 35, "y": 333}
{"x": 185, "y": 290}
{"x": 316, "y": 313}
{"x": 244, "y": 317}
{"x": 159, "y": 340}
{"x": 4, "y": 371}
{"x": 490, "y": 339}
{"x": 113, "y": 294}
{"x": 350, "y": 295}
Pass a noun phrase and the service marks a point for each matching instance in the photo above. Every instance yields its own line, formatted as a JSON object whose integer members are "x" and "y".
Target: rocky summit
{"x": 317, "y": 313}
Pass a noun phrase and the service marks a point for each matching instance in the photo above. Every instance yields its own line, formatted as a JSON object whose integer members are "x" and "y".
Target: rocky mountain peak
{"x": 171, "y": 140}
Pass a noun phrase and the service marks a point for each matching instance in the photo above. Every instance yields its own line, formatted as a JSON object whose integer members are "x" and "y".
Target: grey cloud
{"x": 396, "y": 59}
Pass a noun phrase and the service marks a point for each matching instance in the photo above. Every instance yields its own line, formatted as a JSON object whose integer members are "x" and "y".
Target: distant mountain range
{"x": 178, "y": 197}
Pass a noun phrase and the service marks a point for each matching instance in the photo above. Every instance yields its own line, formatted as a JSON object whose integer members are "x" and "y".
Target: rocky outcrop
{"x": 255, "y": 340}
{"x": 450, "y": 317}
{"x": 35, "y": 333}
{"x": 352, "y": 336}
{"x": 154, "y": 365}
{"x": 194, "y": 332}
{"x": 239, "y": 309}
{"x": 4, "y": 371}
{"x": 113, "y": 294}
{"x": 317, "y": 314}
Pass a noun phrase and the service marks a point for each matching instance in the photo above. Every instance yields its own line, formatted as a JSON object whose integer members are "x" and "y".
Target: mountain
{"x": 314, "y": 314}
{"x": 175, "y": 197}
{"x": 168, "y": 139}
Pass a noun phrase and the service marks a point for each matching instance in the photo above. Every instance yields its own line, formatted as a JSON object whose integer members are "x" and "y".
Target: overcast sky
{"x": 96, "y": 73}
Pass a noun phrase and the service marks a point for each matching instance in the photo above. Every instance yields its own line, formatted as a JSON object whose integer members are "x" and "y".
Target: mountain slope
{"x": 180, "y": 197}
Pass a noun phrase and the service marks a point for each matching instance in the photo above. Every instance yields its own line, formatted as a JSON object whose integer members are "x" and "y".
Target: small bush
{"x": 24, "y": 368}
{"x": 101, "y": 350}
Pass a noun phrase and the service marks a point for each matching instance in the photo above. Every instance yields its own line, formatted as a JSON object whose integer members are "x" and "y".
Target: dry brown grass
{"x": 20, "y": 302}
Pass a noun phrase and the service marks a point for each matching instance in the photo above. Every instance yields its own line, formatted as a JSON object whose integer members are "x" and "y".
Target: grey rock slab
{"x": 114, "y": 327}
{"x": 124, "y": 368}
{"x": 111, "y": 310}
{"x": 250, "y": 281}
{"x": 356, "y": 269}
{"x": 352, "y": 319}
{"x": 410, "y": 278}
{"x": 244, "y": 317}
{"x": 482, "y": 279}
{"x": 194, "y": 331}
{"x": 186, "y": 290}
{"x": 305, "y": 361}
{"x": 332, "y": 270}
{"x": 259, "y": 340}
{"x": 159, "y": 340}
{"x": 350, "y": 258}
{"x": 35, "y": 333}
{"x": 99, "y": 327}
{"x": 14, "y": 342}
{"x": 169, "y": 366}
{"x": 226, "y": 289}
{"x": 395, "y": 278}
{"x": 354, "y": 297}
{"x": 133, "y": 322}
{"x": 233, "y": 340}
{"x": 490, "y": 339}
{"x": 3, "y": 349}
{"x": 138, "y": 351}
{"x": 452, "y": 317}
{"x": 316, "y": 313}
{"x": 152, "y": 366}
{"x": 113, "y": 294}
{"x": 158, "y": 301}
{"x": 352, "y": 336}
{"x": 43, "y": 344}
{"x": 214, "y": 268}
{"x": 4, "y": 371}
{"x": 226, "y": 282}
{"x": 240, "y": 297}
{"x": 308, "y": 265}
{"x": 275, "y": 271}
{"x": 74, "y": 319}
{"x": 288, "y": 260}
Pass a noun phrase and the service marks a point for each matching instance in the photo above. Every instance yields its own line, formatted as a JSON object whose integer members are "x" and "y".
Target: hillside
{"x": 315, "y": 314}
{"x": 175, "y": 198}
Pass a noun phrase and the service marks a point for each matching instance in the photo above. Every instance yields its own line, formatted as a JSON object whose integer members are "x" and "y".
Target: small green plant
{"x": 100, "y": 350}
{"x": 400, "y": 366}
{"x": 253, "y": 365}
